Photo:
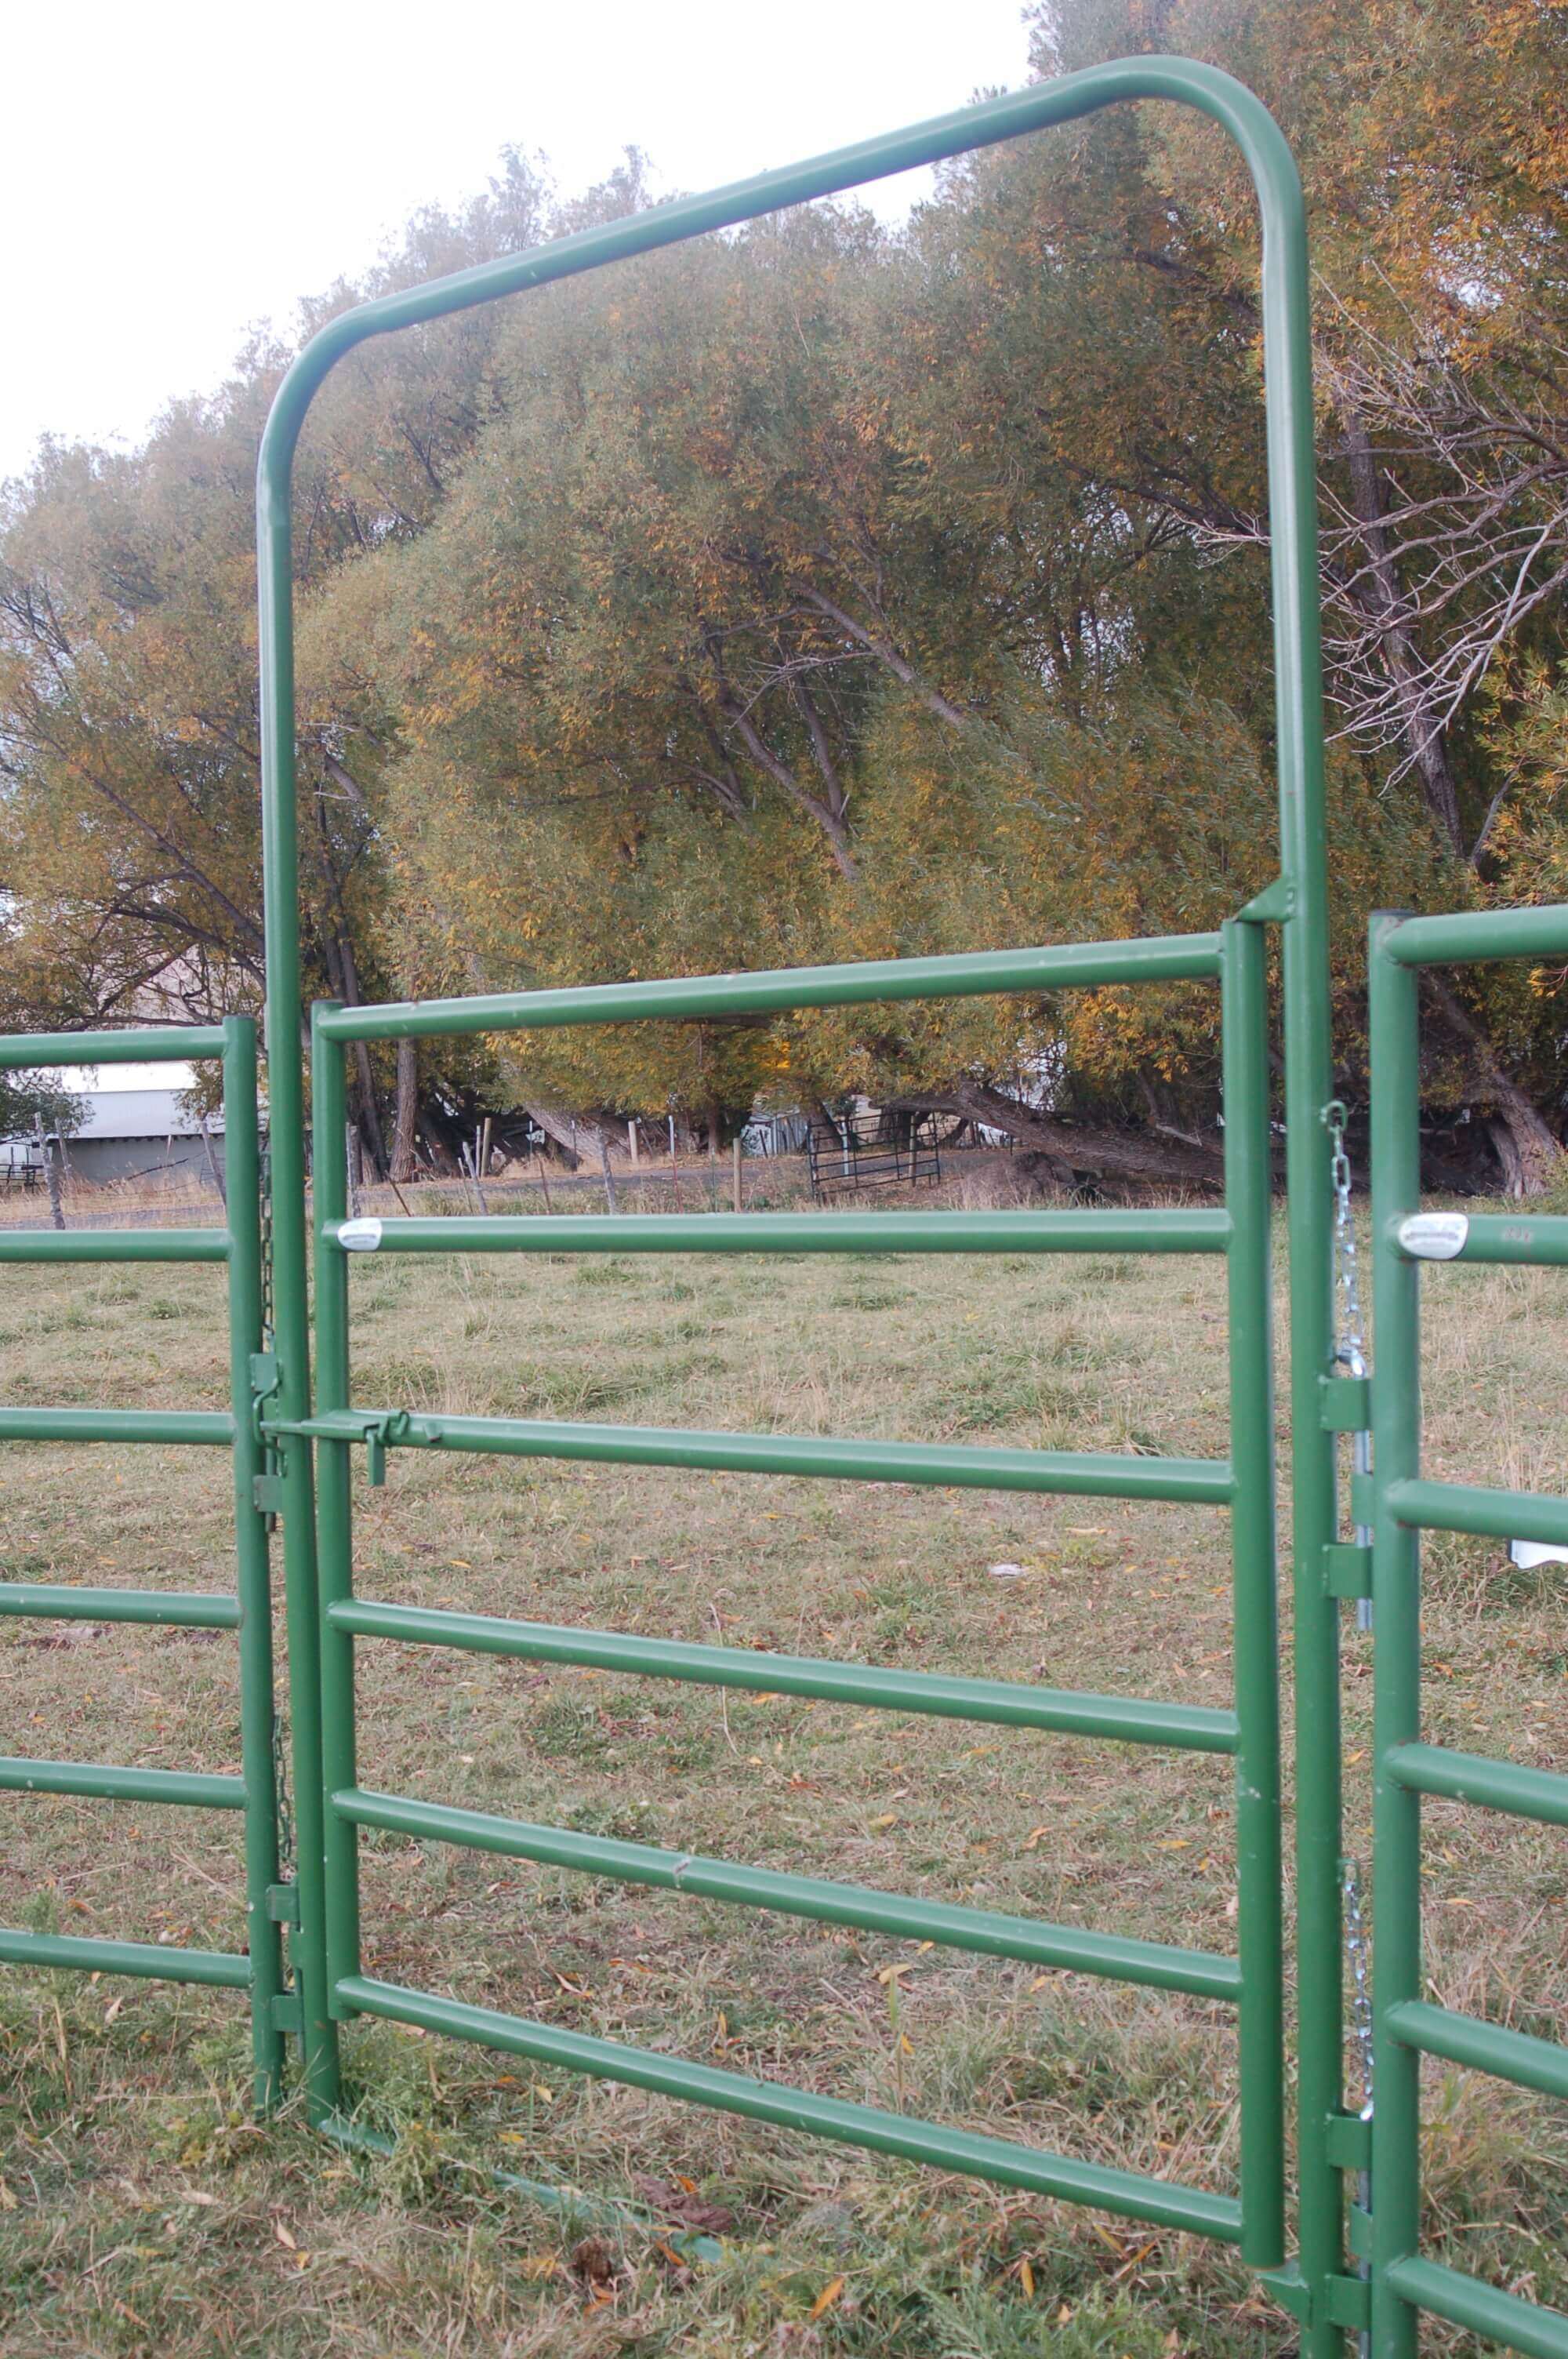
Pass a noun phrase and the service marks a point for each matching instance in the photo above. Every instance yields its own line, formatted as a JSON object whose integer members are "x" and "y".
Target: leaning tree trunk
{"x": 407, "y": 1111}
{"x": 1074, "y": 1150}
{"x": 1526, "y": 1146}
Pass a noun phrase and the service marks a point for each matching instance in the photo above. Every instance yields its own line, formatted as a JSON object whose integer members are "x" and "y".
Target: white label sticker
{"x": 359, "y": 1236}
{"x": 1434, "y": 1237}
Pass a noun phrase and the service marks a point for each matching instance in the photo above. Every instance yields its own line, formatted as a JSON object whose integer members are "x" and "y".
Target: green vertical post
{"x": 334, "y": 1502}
{"x": 1396, "y": 1595}
{"x": 1244, "y": 1003}
{"x": 242, "y": 1162}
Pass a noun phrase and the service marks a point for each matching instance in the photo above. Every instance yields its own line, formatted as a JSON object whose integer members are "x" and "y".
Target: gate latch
{"x": 379, "y": 1434}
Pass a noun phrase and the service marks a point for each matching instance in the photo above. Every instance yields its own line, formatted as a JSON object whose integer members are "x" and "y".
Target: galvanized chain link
{"x": 1350, "y": 1349}
{"x": 280, "y": 1792}
{"x": 1357, "y": 1950}
{"x": 266, "y": 1244}
{"x": 1350, "y": 1346}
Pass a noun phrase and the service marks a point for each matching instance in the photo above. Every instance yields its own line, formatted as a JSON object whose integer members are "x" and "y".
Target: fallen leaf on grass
{"x": 679, "y": 2205}
{"x": 826, "y": 2298}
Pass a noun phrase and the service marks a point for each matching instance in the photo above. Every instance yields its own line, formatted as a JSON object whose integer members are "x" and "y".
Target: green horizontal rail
{"x": 1131, "y": 1720}
{"x": 173, "y": 1609}
{"x": 1154, "y": 1232}
{"x": 1466, "y": 2301}
{"x": 1070, "y": 1473}
{"x": 1490, "y": 1514}
{"x": 107, "y": 1781}
{"x": 25, "y": 1051}
{"x": 1511, "y": 1786}
{"x": 114, "y": 1245}
{"x": 1161, "y": 958}
{"x": 1492, "y": 2048}
{"x": 1471, "y": 934}
{"x": 1066, "y": 1947}
{"x": 1534, "y": 1239}
{"x": 214, "y": 1428}
{"x": 977, "y": 2157}
{"x": 75, "y": 1953}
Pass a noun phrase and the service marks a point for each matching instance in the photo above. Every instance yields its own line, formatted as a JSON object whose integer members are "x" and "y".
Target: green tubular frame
{"x": 320, "y": 1648}
{"x": 1244, "y": 1484}
{"x": 1405, "y": 2026}
{"x": 258, "y": 1970}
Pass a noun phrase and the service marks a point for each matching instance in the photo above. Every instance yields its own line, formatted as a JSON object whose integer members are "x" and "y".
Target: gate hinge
{"x": 1349, "y": 2141}
{"x": 1345, "y": 1403}
{"x": 1276, "y": 901}
{"x": 1363, "y": 1502}
{"x": 1358, "y": 2233}
{"x": 289, "y": 2012}
{"x": 1348, "y": 2303}
{"x": 1347, "y": 1569}
{"x": 283, "y": 1903}
{"x": 266, "y": 1494}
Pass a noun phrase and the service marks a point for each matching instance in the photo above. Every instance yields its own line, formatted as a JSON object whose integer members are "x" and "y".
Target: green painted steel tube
{"x": 242, "y": 1169}
{"x": 1511, "y": 1785}
{"x": 1497, "y": 2317}
{"x": 172, "y": 1609}
{"x": 1154, "y": 1231}
{"x": 1299, "y": 742}
{"x": 114, "y": 1245}
{"x": 1396, "y": 1593}
{"x": 976, "y": 2157}
{"x": 27, "y": 1051}
{"x": 1466, "y": 1507}
{"x": 1465, "y": 935}
{"x": 1068, "y": 1948}
{"x": 107, "y": 1781}
{"x": 1255, "y": 1606}
{"x": 1533, "y": 1239}
{"x": 1070, "y": 1474}
{"x": 1160, "y": 958}
{"x": 334, "y": 1504}
{"x": 1131, "y": 1720}
{"x": 1516, "y": 2056}
{"x": 149, "y": 1960}
{"x": 214, "y": 1428}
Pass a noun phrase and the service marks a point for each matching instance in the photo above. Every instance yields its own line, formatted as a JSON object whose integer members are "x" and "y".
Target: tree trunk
{"x": 1094, "y": 1151}
{"x": 1527, "y": 1147}
{"x": 407, "y": 1109}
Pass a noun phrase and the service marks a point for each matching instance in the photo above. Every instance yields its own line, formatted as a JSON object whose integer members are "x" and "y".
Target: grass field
{"x": 142, "y": 2213}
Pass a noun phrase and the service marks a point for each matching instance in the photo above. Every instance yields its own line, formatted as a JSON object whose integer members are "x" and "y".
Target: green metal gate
{"x": 325, "y": 1618}
{"x": 1399, "y": 1506}
{"x": 1244, "y": 1484}
{"x": 237, "y": 1247}
{"x": 283, "y": 1428}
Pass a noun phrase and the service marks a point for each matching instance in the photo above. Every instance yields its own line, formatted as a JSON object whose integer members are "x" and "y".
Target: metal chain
{"x": 1357, "y": 1950}
{"x": 1350, "y": 1347}
{"x": 266, "y": 1244}
{"x": 280, "y": 1792}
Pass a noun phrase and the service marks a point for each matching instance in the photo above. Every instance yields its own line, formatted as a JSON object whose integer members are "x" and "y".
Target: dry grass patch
{"x": 143, "y": 2214}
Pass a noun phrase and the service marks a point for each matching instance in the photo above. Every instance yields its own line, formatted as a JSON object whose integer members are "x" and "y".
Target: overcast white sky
{"x": 178, "y": 172}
